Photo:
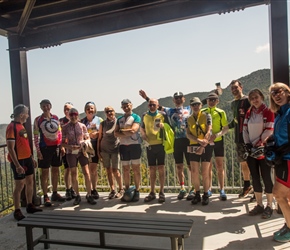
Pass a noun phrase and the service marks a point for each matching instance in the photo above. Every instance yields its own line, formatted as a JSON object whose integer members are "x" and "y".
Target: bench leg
{"x": 181, "y": 243}
{"x": 29, "y": 238}
{"x": 174, "y": 243}
{"x": 102, "y": 239}
{"x": 46, "y": 233}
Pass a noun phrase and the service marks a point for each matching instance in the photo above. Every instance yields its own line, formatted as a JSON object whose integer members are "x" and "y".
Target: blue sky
{"x": 187, "y": 56}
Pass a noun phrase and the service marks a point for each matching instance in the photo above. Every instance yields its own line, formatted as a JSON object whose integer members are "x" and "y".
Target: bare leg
{"x": 19, "y": 185}
{"x": 152, "y": 170}
{"x": 93, "y": 167}
{"x": 137, "y": 175}
{"x": 44, "y": 179}
{"x": 161, "y": 171}
{"x": 126, "y": 176}
{"x": 54, "y": 178}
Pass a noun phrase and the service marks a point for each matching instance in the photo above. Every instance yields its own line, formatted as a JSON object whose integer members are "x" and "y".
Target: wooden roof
{"x": 45, "y": 23}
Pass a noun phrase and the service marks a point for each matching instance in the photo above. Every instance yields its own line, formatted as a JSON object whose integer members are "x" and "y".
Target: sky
{"x": 187, "y": 56}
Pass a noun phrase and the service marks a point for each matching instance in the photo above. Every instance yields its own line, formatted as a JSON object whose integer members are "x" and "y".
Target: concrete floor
{"x": 220, "y": 225}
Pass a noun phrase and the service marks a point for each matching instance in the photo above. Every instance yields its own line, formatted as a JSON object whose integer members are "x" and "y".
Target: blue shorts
{"x": 28, "y": 166}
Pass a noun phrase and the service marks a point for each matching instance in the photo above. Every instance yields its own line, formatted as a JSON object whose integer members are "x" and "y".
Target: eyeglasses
{"x": 276, "y": 92}
{"x": 152, "y": 105}
{"x": 73, "y": 114}
{"x": 90, "y": 103}
{"x": 109, "y": 111}
{"x": 195, "y": 104}
{"x": 212, "y": 99}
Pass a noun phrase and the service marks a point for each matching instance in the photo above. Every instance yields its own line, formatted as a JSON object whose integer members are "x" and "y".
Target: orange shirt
{"x": 23, "y": 150}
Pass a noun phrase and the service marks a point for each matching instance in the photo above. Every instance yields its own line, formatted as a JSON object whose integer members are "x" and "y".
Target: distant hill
{"x": 257, "y": 79}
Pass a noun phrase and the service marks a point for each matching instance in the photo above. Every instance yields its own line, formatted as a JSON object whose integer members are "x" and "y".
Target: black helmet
{"x": 257, "y": 152}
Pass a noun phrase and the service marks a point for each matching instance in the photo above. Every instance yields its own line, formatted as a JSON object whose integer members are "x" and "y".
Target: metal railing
{"x": 233, "y": 180}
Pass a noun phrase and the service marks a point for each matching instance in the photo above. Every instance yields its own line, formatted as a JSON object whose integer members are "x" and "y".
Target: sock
{"x": 182, "y": 185}
{"x": 246, "y": 184}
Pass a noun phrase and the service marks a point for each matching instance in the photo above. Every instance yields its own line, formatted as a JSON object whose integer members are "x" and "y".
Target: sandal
{"x": 161, "y": 198}
{"x": 150, "y": 197}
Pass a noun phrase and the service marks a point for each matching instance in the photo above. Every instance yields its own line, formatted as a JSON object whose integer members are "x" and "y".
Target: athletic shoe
{"x": 191, "y": 195}
{"x": 95, "y": 194}
{"x": 112, "y": 194}
{"x": 267, "y": 213}
{"x": 256, "y": 210}
{"x": 68, "y": 195}
{"x": 223, "y": 196}
{"x": 281, "y": 230}
{"x": 205, "y": 200}
{"x": 57, "y": 197}
{"x": 91, "y": 200}
{"x": 18, "y": 215}
{"x": 246, "y": 191}
{"x": 77, "y": 200}
{"x": 209, "y": 192}
{"x": 73, "y": 193}
{"x": 120, "y": 194}
{"x": 31, "y": 209}
{"x": 136, "y": 196}
{"x": 181, "y": 194}
{"x": 196, "y": 199}
{"x": 283, "y": 236}
{"x": 47, "y": 202}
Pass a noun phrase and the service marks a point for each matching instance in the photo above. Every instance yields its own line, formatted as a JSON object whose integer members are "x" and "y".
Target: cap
{"x": 125, "y": 101}
{"x": 45, "y": 101}
{"x": 178, "y": 94}
{"x": 194, "y": 100}
{"x": 212, "y": 95}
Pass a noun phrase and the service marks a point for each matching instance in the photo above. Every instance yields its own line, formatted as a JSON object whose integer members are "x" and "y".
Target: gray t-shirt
{"x": 109, "y": 143}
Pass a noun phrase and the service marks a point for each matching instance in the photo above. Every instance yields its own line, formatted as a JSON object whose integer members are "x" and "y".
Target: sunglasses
{"x": 177, "y": 97}
{"x": 152, "y": 105}
{"x": 89, "y": 103}
{"x": 73, "y": 114}
{"x": 276, "y": 92}
{"x": 195, "y": 104}
{"x": 109, "y": 111}
{"x": 212, "y": 99}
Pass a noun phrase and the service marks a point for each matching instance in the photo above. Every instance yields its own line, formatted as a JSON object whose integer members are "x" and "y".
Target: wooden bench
{"x": 176, "y": 229}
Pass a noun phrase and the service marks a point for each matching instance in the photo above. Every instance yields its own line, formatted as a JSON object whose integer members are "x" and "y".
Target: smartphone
{"x": 157, "y": 124}
{"x": 219, "y": 88}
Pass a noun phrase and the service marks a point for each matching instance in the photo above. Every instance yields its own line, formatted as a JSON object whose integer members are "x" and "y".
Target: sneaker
{"x": 281, "y": 230}
{"x": 112, "y": 194}
{"x": 31, "y": 209}
{"x": 209, "y": 192}
{"x": 181, "y": 194}
{"x": 223, "y": 196}
{"x": 77, "y": 200}
{"x": 120, "y": 194}
{"x": 267, "y": 213}
{"x": 205, "y": 200}
{"x": 256, "y": 210}
{"x": 57, "y": 197}
{"x": 246, "y": 191}
{"x": 68, "y": 195}
{"x": 91, "y": 200}
{"x": 18, "y": 215}
{"x": 196, "y": 199}
{"x": 47, "y": 202}
{"x": 95, "y": 194}
{"x": 284, "y": 236}
{"x": 191, "y": 195}
{"x": 73, "y": 193}
{"x": 136, "y": 196}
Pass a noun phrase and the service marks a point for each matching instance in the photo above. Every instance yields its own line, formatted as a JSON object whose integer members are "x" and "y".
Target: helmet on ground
{"x": 129, "y": 194}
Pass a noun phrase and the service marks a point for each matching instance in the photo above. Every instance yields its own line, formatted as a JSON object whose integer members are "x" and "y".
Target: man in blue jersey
{"x": 177, "y": 119}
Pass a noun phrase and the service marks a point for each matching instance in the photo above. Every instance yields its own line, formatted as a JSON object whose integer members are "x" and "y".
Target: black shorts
{"x": 218, "y": 149}
{"x": 95, "y": 159}
{"x": 283, "y": 173}
{"x": 28, "y": 166}
{"x": 205, "y": 157}
{"x": 130, "y": 152}
{"x": 156, "y": 155}
{"x": 64, "y": 162}
{"x": 51, "y": 157}
{"x": 180, "y": 150}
